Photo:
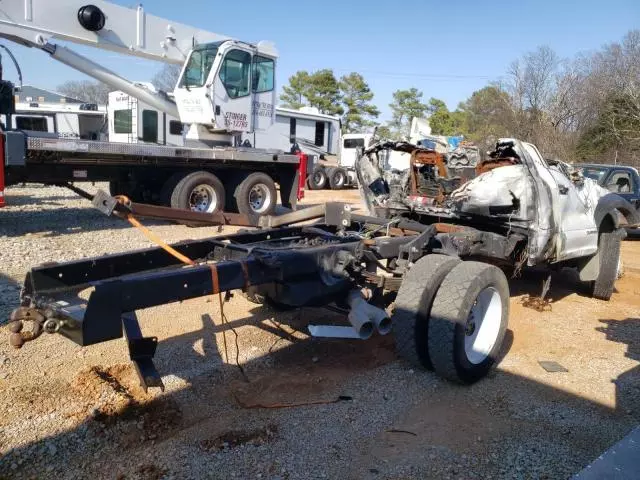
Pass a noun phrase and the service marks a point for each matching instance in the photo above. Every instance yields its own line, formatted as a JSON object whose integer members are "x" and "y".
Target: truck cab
{"x": 227, "y": 87}
{"x": 618, "y": 179}
{"x": 349, "y": 147}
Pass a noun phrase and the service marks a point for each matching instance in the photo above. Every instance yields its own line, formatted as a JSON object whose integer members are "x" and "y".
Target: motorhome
{"x": 85, "y": 121}
{"x": 133, "y": 121}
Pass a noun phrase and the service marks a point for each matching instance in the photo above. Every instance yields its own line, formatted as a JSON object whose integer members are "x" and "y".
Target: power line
{"x": 431, "y": 76}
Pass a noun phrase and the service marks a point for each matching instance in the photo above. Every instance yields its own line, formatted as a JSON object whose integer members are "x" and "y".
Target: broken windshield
{"x": 199, "y": 65}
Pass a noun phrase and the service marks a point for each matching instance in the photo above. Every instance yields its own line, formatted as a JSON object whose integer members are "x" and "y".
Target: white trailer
{"x": 85, "y": 121}
{"x": 134, "y": 121}
{"x": 313, "y": 132}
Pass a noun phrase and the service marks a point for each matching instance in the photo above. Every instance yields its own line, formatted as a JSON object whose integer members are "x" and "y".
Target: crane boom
{"x": 226, "y": 87}
{"x": 129, "y": 31}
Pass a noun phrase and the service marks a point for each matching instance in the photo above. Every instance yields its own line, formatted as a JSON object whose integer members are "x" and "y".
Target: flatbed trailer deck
{"x": 143, "y": 171}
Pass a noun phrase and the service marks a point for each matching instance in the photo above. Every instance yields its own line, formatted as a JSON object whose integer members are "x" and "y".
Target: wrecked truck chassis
{"x": 95, "y": 300}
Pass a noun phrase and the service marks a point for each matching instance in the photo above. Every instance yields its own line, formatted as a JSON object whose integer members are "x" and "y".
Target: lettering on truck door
{"x": 232, "y": 91}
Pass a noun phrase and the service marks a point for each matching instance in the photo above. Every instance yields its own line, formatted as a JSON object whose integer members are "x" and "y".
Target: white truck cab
{"x": 227, "y": 87}
{"x": 349, "y": 146}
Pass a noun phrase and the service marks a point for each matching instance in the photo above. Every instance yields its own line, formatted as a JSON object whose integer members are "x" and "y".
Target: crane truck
{"x": 226, "y": 89}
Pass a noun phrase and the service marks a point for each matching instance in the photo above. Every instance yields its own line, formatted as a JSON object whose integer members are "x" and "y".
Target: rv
{"x": 79, "y": 121}
{"x": 132, "y": 121}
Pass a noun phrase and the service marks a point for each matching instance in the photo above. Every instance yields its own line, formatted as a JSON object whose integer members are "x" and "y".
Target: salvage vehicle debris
{"x": 552, "y": 367}
{"x": 434, "y": 261}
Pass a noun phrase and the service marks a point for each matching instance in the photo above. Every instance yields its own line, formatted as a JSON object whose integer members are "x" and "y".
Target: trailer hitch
{"x": 19, "y": 317}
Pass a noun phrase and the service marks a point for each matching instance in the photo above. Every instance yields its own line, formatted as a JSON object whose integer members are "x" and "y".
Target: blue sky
{"x": 446, "y": 49}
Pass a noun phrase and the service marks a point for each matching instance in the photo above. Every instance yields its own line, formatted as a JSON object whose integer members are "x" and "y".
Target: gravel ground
{"x": 70, "y": 412}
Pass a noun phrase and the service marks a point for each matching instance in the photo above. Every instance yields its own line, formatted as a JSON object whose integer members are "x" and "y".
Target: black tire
{"x": 256, "y": 188}
{"x": 318, "y": 178}
{"x": 412, "y": 309}
{"x": 338, "y": 178}
{"x": 168, "y": 187}
{"x": 253, "y": 296}
{"x": 609, "y": 252}
{"x": 451, "y": 321}
{"x": 183, "y": 193}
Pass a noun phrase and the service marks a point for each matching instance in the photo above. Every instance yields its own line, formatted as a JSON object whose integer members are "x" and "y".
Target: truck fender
{"x": 608, "y": 204}
{"x": 607, "y": 209}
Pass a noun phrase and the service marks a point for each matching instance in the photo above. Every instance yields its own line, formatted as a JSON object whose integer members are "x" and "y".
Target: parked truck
{"x": 342, "y": 174}
{"x": 226, "y": 89}
{"x": 619, "y": 179}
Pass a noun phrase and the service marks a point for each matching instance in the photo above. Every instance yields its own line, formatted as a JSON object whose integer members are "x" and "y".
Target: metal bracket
{"x": 337, "y": 214}
{"x": 413, "y": 250}
{"x": 104, "y": 202}
{"x": 141, "y": 351}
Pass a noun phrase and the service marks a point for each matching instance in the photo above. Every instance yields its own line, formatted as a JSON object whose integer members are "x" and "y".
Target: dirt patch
{"x": 114, "y": 397}
{"x": 234, "y": 438}
{"x": 286, "y": 389}
{"x": 145, "y": 472}
{"x": 112, "y": 390}
{"x": 628, "y": 288}
{"x": 432, "y": 424}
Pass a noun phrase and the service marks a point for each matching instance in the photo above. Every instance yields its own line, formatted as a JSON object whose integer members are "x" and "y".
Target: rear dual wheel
{"x": 199, "y": 192}
{"x": 256, "y": 195}
{"x": 203, "y": 192}
{"x": 338, "y": 178}
{"x": 451, "y": 316}
{"x": 318, "y": 178}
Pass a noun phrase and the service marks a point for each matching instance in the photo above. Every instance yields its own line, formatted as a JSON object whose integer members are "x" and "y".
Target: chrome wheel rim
{"x": 203, "y": 198}
{"x": 259, "y": 198}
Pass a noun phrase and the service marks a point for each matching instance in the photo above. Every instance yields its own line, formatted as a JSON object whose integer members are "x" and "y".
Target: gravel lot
{"x": 70, "y": 412}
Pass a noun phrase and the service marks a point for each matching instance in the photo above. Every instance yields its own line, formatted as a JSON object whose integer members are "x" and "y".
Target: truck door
{"x": 578, "y": 231}
{"x": 565, "y": 218}
{"x": 232, "y": 93}
{"x": 263, "y": 84}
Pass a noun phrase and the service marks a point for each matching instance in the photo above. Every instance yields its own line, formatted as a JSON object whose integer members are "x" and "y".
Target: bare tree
{"x": 86, "y": 91}
{"x": 167, "y": 78}
{"x": 612, "y": 94}
{"x": 587, "y": 108}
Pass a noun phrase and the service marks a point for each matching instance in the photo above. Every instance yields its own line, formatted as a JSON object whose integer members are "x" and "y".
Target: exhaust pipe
{"x": 361, "y": 309}
{"x": 363, "y": 317}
